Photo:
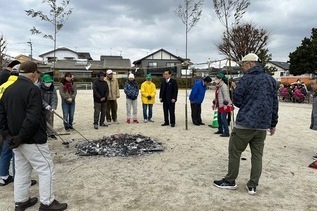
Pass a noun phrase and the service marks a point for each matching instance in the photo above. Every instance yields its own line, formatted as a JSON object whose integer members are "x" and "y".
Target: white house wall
{"x": 60, "y": 55}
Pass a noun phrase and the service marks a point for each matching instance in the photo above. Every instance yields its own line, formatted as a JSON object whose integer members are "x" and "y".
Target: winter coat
{"x": 256, "y": 97}
{"x": 313, "y": 124}
{"x": 131, "y": 90}
{"x": 5, "y": 85}
{"x": 197, "y": 94}
{"x": 4, "y": 75}
{"x": 49, "y": 95}
{"x": 100, "y": 90}
{"x": 222, "y": 95}
{"x": 65, "y": 93}
{"x": 148, "y": 89}
{"x": 113, "y": 85}
{"x": 21, "y": 112}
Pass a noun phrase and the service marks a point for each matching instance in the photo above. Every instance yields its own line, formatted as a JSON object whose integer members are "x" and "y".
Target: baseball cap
{"x": 109, "y": 72}
{"x": 251, "y": 57}
{"x": 47, "y": 78}
{"x": 13, "y": 63}
{"x": 28, "y": 67}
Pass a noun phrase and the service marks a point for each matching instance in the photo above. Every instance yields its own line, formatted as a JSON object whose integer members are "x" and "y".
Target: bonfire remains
{"x": 120, "y": 145}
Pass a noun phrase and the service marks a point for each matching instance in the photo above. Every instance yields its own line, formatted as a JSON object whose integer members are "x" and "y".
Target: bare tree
{"x": 225, "y": 9}
{"x": 244, "y": 39}
{"x": 189, "y": 13}
{"x": 57, "y": 16}
{"x": 3, "y": 46}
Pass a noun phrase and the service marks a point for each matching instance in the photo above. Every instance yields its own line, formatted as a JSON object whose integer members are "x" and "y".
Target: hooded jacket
{"x": 148, "y": 89}
{"x": 256, "y": 97}
{"x": 131, "y": 89}
{"x": 49, "y": 95}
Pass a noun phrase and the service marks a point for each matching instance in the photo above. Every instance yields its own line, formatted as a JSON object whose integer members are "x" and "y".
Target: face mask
{"x": 47, "y": 84}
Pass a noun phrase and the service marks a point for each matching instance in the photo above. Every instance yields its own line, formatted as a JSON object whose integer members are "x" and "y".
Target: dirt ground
{"x": 181, "y": 177}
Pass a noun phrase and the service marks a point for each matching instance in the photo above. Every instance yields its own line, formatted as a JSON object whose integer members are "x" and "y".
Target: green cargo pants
{"x": 239, "y": 140}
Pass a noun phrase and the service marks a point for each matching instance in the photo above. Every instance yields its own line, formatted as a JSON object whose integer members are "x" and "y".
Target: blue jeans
{"x": 5, "y": 158}
{"x": 147, "y": 115}
{"x": 223, "y": 123}
{"x": 68, "y": 113}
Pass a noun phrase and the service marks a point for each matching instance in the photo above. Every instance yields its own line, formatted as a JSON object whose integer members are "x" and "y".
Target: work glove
{"x": 149, "y": 97}
{"x": 14, "y": 142}
{"x": 49, "y": 108}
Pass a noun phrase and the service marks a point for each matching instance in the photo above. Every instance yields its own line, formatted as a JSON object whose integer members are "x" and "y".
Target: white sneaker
{"x": 251, "y": 191}
{"x": 145, "y": 121}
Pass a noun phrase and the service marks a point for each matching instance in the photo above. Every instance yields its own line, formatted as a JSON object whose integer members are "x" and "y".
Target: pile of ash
{"x": 120, "y": 145}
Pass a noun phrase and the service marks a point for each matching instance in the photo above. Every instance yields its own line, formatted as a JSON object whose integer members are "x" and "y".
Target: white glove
{"x": 49, "y": 108}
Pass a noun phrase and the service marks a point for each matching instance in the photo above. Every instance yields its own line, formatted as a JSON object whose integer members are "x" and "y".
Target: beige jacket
{"x": 113, "y": 85}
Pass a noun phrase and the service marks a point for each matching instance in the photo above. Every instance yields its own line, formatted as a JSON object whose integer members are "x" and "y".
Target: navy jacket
{"x": 256, "y": 97}
{"x": 169, "y": 90}
{"x": 197, "y": 94}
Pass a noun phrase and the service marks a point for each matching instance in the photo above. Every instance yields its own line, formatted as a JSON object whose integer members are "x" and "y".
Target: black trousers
{"x": 196, "y": 113}
{"x": 169, "y": 108}
{"x": 99, "y": 108}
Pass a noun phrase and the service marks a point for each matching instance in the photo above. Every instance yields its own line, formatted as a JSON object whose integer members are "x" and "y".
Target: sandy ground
{"x": 180, "y": 178}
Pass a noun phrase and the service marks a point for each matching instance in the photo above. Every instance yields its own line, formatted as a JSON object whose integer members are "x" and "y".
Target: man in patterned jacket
{"x": 256, "y": 97}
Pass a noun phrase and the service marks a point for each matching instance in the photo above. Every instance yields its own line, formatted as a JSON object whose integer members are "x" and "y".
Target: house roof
{"x": 139, "y": 61}
{"x": 84, "y": 55}
{"x": 116, "y": 62}
{"x": 57, "y": 49}
{"x": 283, "y": 65}
{"x": 78, "y": 65}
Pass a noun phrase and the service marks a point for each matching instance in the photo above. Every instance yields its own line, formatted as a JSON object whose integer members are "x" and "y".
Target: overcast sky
{"x": 135, "y": 28}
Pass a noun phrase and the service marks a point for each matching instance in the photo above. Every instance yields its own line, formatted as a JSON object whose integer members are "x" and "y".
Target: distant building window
{"x": 69, "y": 58}
{"x": 170, "y": 64}
{"x": 51, "y": 59}
{"x": 152, "y": 64}
{"x": 282, "y": 74}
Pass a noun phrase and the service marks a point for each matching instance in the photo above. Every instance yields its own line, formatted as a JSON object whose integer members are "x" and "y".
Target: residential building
{"x": 159, "y": 61}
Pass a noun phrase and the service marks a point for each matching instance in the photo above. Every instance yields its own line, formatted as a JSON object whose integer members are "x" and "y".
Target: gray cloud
{"x": 139, "y": 27}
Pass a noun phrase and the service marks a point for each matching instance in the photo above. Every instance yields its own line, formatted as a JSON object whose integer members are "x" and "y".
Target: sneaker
{"x": 103, "y": 125}
{"x": 4, "y": 182}
{"x": 115, "y": 122}
{"x": 128, "y": 121}
{"x": 135, "y": 121}
{"x": 225, "y": 135}
{"x": 313, "y": 165}
{"x": 251, "y": 191}
{"x": 55, "y": 205}
{"x": 145, "y": 121}
{"x": 95, "y": 126}
{"x": 224, "y": 184}
{"x": 150, "y": 120}
{"x": 315, "y": 157}
{"x": 21, "y": 206}
{"x": 218, "y": 132}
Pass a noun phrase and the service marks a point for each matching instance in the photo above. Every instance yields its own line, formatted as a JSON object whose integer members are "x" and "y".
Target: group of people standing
{"x": 25, "y": 109}
{"x": 106, "y": 93}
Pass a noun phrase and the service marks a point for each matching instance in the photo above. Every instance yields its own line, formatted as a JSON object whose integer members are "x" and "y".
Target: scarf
{"x": 68, "y": 87}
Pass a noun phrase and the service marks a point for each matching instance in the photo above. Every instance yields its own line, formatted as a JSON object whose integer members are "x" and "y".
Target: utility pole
{"x": 31, "y": 55}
